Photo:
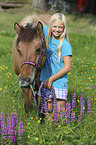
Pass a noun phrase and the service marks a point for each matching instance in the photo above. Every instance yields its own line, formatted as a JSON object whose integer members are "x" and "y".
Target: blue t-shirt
{"x": 52, "y": 64}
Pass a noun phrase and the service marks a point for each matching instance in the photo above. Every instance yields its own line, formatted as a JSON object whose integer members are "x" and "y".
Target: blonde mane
{"x": 32, "y": 19}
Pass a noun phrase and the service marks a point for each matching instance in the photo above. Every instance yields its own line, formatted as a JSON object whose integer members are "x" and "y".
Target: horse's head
{"x": 31, "y": 49}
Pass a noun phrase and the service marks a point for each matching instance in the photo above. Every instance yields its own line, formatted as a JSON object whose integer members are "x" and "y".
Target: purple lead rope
{"x": 44, "y": 98}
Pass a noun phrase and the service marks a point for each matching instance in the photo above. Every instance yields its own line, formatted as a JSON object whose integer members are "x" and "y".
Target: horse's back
{"x": 45, "y": 18}
{"x": 35, "y": 18}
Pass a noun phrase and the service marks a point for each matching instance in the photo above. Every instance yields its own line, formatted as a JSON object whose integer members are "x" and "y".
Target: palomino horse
{"x": 28, "y": 53}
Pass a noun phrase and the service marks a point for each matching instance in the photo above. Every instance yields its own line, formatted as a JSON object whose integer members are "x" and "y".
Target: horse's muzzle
{"x": 25, "y": 82}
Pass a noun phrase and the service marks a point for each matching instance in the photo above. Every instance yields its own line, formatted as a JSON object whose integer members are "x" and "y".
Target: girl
{"x": 58, "y": 60}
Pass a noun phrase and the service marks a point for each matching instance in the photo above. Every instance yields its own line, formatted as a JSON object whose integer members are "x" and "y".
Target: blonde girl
{"x": 58, "y": 60}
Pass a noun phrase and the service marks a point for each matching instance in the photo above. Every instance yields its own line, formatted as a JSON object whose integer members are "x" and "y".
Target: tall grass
{"x": 82, "y": 78}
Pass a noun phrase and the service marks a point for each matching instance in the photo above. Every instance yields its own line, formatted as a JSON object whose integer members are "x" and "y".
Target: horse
{"x": 28, "y": 52}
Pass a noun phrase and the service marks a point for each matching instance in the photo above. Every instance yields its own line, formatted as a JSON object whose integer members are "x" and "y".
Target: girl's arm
{"x": 59, "y": 74}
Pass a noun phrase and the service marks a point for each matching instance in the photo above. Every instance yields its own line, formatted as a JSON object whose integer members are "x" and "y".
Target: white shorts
{"x": 60, "y": 93}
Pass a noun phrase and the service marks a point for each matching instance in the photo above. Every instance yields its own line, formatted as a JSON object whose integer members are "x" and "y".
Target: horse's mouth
{"x": 24, "y": 83}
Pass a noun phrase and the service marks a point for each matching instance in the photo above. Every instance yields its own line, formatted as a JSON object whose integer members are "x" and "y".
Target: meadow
{"x": 82, "y": 83}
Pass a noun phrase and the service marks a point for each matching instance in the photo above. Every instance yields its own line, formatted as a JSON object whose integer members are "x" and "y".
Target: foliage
{"x": 82, "y": 79}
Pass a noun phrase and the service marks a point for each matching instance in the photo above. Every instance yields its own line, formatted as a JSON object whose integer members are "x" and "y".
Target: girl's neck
{"x": 56, "y": 38}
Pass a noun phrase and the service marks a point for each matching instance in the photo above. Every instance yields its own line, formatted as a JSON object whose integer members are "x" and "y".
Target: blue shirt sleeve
{"x": 66, "y": 48}
{"x": 45, "y": 30}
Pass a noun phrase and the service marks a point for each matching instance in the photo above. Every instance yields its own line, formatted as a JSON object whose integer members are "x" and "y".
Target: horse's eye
{"x": 38, "y": 50}
{"x": 18, "y": 50}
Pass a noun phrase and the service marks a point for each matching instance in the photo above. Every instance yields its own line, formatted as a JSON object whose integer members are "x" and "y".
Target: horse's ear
{"x": 17, "y": 28}
{"x": 40, "y": 27}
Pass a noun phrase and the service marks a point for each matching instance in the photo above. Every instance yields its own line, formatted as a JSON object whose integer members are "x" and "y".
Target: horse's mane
{"x": 28, "y": 28}
{"x": 28, "y": 33}
{"x": 32, "y": 19}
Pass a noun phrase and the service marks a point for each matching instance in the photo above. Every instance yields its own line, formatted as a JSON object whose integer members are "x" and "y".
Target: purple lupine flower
{"x": 73, "y": 101}
{"x": 9, "y": 125}
{"x": 14, "y": 121}
{"x": 4, "y": 133}
{"x": 61, "y": 113}
{"x": 55, "y": 114}
{"x": 20, "y": 132}
{"x": 72, "y": 116}
{"x": 2, "y": 122}
{"x": 89, "y": 106}
{"x": 23, "y": 142}
{"x": 73, "y": 106}
{"x": 94, "y": 88}
{"x": 3, "y": 126}
{"x": 82, "y": 105}
{"x": 67, "y": 112}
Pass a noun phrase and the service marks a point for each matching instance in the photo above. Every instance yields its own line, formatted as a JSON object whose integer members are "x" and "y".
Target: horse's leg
{"x": 28, "y": 102}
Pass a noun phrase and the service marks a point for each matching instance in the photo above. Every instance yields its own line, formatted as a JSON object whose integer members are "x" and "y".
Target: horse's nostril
{"x": 27, "y": 79}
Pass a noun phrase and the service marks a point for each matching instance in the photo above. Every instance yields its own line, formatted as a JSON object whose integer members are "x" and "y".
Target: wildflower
{"x": 89, "y": 106}
{"x": 72, "y": 116}
{"x": 36, "y": 138}
{"x": 9, "y": 125}
{"x": 82, "y": 105}
{"x": 14, "y": 121}
{"x": 38, "y": 121}
{"x": 67, "y": 112}
{"x": 3, "y": 126}
{"x": 20, "y": 132}
{"x": 31, "y": 117}
{"x": 59, "y": 126}
{"x": 40, "y": 118}
{"x": 73, "y": 100}
{"x": 55, "y": 114}
{"x": 93, "y": 88}
{"x": 78, "y": 101}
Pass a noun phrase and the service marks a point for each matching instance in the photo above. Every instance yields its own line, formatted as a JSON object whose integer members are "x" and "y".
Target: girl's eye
{"x": 38, "y": 50}
{"x": 60, "y": 27}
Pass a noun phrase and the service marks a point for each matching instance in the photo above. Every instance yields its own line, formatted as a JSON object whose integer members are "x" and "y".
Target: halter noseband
{"x": 36, "y": 65}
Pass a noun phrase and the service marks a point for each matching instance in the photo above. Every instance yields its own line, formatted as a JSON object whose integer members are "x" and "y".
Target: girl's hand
{"x": 48, "y": 83}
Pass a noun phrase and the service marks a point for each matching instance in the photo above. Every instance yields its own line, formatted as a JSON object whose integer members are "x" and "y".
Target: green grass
{"x": 82, "y": 78}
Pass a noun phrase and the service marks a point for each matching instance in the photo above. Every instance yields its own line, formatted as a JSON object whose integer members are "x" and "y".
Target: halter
{"x": 36, "y": 65}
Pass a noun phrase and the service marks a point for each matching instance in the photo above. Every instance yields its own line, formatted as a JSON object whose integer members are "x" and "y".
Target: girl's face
{"x": 57, "y": 29}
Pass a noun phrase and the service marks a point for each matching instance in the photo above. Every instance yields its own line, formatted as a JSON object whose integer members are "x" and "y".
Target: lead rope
{"x": 44, "y": 98}
{"x": 34, "y": 98}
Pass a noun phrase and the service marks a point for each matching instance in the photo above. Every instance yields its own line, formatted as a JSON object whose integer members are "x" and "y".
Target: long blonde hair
{"x": 58, "y": 17}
